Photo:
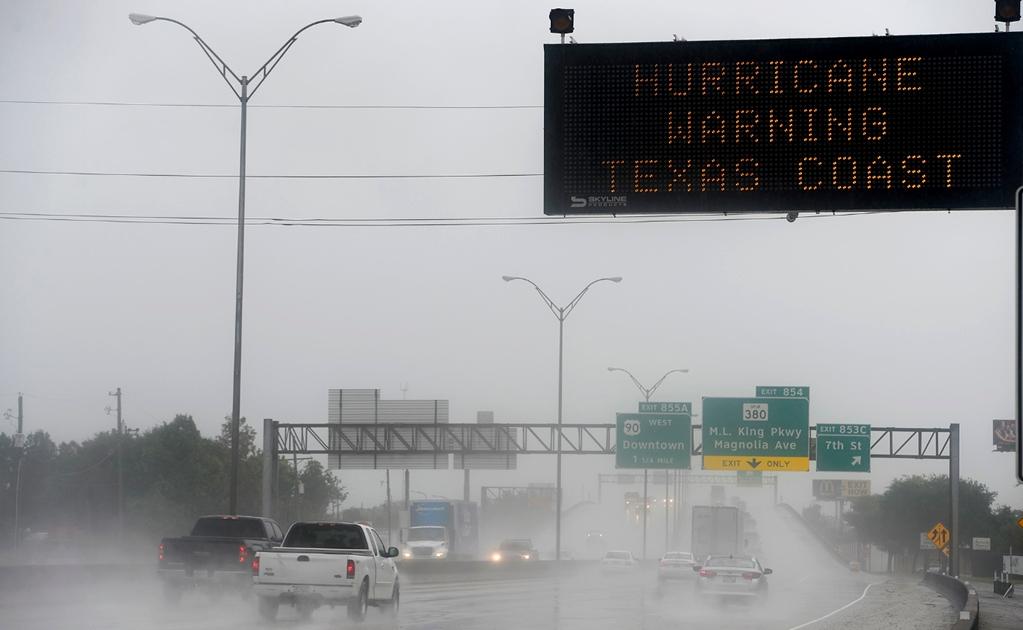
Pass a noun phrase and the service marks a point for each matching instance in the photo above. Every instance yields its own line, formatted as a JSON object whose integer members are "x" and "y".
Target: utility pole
{"x": 120, "y": 465}
{"x": 19, "y": 443}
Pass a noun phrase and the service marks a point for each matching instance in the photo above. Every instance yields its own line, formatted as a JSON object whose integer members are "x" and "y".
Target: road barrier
{"x": 962, "y": 597}
{"x": 824, "y": 542}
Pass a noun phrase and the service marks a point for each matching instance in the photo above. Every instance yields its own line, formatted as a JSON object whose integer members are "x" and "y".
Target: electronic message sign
{"x": 866, "y": 123}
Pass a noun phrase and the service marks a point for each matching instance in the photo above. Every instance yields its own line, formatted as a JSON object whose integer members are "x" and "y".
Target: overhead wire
{"x": 109, "y": 103}
{"x": 273, "y": 176}
{"x": 401, "y": 222}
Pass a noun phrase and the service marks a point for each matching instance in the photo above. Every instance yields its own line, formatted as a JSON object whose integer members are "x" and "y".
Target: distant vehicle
{"x": 327, "y": 563}
{"x": 442, "y": 530}
{"x": 515, "y": 550}
{"x": 676, "y": 565}
{"x": 216, "y": 555}
{"x": 717, "y": 530}
{"x": 617, "y": 561}
{"x": 595, "y": 540}
{"x": 741, "y": 576}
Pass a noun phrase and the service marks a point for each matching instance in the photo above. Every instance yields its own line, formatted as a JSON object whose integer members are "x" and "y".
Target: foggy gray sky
{"x": 899, "y": 319}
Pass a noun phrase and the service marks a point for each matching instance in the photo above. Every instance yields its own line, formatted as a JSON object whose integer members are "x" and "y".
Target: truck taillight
{"x": 350, "y": 570}
{"x": 161, "y": 552}
{"x": 707, "y": 574}
{"x": 255, "y": 566}
{"x": 243, "y": 554}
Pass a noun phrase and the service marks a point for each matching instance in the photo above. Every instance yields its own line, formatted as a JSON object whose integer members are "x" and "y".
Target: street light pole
{"x": 244, "y": 94}
{"x": 647, "y": 393}
{"x": 561, "y": 313}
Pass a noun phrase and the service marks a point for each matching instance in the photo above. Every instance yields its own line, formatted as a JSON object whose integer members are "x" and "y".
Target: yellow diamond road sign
{"x": 1020, "y": 522}
{"x": 939, "y": 536}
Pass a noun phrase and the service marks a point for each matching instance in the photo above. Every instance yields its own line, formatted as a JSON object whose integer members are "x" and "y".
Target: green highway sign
{"x": 653, "y": 440}
{"x": 782, "y": 391}
{"x": 756, "y": 434}
{"x": 843, "y": 448}
{"x": 666, "y": 407}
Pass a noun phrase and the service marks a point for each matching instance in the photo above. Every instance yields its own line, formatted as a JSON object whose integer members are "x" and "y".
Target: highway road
{"x": 808, "y": 587}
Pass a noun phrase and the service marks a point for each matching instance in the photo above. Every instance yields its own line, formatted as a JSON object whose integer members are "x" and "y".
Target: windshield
{"x": 516, "y": 545}
{"x": 416, "y": 534}
{"x": 678, "y": 555}
{"x": 229, "y": 527}
{"x": 326, "y": 536}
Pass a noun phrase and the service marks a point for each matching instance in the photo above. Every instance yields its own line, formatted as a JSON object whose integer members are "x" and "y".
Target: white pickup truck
{"x": 327, "y": 563}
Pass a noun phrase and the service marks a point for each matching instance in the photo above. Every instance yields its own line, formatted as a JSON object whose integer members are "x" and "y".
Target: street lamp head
{"x": 351, "y": 21}
{"x": 614, "y": 369}
{"x": 508, "y": 278}
{"x": 615, "y": 279}
{"x": 138, "y": 19}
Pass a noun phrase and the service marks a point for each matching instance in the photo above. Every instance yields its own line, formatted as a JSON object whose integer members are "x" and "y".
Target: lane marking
{"x": 837, "y": 610}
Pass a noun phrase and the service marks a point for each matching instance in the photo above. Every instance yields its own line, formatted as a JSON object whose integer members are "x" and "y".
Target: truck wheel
{"x": 268, "y": 608}
{"x": 391, "y": 606}
{"x": 357, "y": 607}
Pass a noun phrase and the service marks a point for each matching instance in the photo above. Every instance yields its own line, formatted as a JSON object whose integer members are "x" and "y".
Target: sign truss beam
{"x": 540, "y": 439}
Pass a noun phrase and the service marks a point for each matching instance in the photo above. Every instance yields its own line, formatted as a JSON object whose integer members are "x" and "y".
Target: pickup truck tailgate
{"x": 308, "y": 566}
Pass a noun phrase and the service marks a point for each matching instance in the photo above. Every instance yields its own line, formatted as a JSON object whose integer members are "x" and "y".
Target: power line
{"x": 294, "y": 176}
{"x": 235, "y": 106}
{"x": 398, "y": 222}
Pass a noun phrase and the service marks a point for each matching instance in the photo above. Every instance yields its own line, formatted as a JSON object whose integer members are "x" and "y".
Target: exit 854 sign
{"x": 804, "y": 124}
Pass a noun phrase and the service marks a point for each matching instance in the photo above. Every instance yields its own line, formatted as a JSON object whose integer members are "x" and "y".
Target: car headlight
{"x": 525, "y": 556}
{"x": 440, "y": 553}
{"x": 496, "y": 557}
{"x": 406, "y": 554}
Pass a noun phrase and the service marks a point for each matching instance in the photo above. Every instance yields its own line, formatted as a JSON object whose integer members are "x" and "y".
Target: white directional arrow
{"x": 857, "y": 461}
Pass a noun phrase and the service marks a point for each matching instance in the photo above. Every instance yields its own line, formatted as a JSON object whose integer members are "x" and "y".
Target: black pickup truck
{"x": 216, "y": 556}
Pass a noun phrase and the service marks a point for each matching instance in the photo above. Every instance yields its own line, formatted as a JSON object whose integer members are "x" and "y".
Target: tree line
{"x": 171, "y": 475}
{"x": 894, "y": 520}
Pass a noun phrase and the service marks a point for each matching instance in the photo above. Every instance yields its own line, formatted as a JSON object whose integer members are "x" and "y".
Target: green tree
{"x": 914, "y": 504}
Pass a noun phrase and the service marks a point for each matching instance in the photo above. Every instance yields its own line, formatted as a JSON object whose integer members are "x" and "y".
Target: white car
{"x": 327, "y": 563}
{"x": 741, "y": 576}
{"x": 618, "y": 561}
{"x": 676, "y": 565}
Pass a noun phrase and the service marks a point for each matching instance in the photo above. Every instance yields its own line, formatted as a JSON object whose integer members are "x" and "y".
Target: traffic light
{"x": 1005, "y": 11}
{"x": 563, "y": 20}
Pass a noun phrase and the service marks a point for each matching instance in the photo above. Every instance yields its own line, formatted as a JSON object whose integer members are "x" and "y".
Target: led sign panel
{"x": 869, "y": 123}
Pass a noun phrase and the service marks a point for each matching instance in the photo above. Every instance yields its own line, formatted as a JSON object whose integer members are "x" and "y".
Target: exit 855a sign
{"x": 803, "y": 124}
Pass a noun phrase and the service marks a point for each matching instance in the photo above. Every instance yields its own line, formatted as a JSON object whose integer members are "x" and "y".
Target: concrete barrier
{"x": 962, "y": 597}
{"x": 824, "y": 542}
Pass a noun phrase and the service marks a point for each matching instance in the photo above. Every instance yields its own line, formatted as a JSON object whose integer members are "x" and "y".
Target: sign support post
{"x": 953, "y": 476}
{"x": 646, "y": 508}
{"x": 1019, "y": 334}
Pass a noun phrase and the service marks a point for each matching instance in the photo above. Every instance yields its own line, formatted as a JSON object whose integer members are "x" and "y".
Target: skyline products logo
{"x": 600, "y": 201}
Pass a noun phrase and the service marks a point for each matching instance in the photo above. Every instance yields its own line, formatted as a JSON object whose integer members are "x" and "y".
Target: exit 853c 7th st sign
{"x": 893, "y": 123}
